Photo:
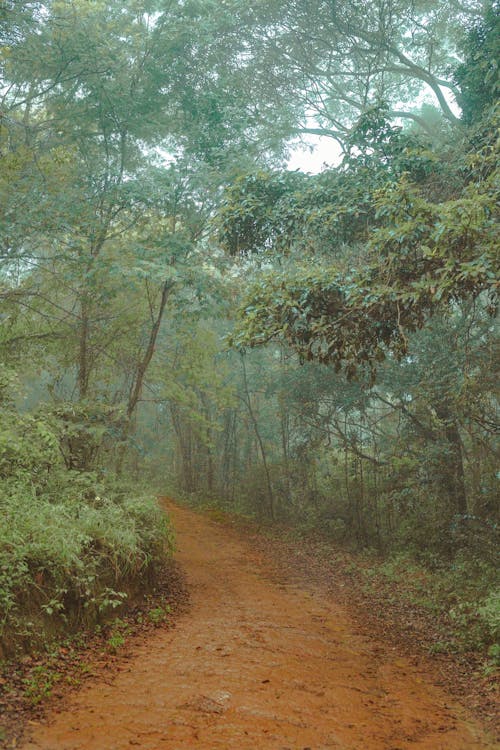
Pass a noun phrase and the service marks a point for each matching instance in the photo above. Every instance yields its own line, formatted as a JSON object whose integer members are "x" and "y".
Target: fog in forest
{"x": 183, "y": 314}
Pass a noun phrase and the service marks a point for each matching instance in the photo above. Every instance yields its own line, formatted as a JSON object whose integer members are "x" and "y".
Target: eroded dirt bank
{"x": 256, "y": 664}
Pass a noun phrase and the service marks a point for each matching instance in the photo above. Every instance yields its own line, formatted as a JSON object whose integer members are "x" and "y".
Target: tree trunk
{"x": 452, "y": 466}
{"x": 259, "y": 441}
{"x": 140, "y": 374}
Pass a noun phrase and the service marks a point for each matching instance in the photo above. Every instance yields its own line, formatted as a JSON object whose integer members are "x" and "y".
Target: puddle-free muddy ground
{"x": 257, "y": 664}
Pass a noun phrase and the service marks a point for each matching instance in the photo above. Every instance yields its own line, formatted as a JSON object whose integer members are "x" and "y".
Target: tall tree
{"x": 315, "y": 67}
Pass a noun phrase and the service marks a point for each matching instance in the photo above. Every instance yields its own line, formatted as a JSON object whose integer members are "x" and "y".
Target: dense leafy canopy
{"x": 479, "y": 76}
{"x": 426, "y": 239}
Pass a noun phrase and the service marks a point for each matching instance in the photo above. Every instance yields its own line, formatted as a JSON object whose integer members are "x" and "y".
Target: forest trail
{"x": 256, "y": 664}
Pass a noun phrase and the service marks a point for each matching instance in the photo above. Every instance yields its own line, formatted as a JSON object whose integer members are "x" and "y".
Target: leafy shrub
{"x": 490, "y": 613}
{"x": 68, "y": 560}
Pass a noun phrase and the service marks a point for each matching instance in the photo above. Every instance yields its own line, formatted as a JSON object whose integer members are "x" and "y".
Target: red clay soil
{"x": 260, "y": 665}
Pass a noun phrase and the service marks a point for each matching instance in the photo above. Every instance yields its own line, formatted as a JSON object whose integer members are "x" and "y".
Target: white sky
{"x": 313, "y": 153}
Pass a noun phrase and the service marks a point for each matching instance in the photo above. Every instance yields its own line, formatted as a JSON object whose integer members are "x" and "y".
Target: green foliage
{"x": 494, "y": 659}
{"x": 158, "y": 615}
{"x": 490, "y": 613}
{"x": 423, "y": 255}
{"x": 28, "y": 448}
{"x": 40, "y": 683}
{"x": 464, "y": 592}
{"x": 117, "y": 636}
{"x": 478, "y": 76}
{"x": 65, "y": 559}
{"x": 290, "y": 212}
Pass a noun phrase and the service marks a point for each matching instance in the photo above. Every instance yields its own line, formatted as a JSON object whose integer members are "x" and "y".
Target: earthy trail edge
{"x": 257, "y": 664}
{"x": 384, "y": 609}
{"x": 36, "y": 683}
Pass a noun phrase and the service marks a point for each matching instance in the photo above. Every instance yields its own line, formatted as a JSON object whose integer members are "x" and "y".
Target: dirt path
{"x": 259, "y": 665}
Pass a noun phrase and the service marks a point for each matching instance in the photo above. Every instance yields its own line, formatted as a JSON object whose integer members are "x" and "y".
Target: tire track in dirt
{"x": 257, "y": 665}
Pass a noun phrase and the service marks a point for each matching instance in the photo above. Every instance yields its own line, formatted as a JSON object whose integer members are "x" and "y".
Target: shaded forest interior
{"x": 180, "y": 311}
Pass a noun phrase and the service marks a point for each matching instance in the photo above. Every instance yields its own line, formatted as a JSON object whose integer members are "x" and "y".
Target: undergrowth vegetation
{"x": 73, "y": 547}
{"x": 460, "y": 595}
{"x": 68, "y": 560}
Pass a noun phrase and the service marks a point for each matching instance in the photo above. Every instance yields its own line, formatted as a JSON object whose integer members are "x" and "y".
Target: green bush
{"x": 490, "y": 613}
{"x": 68, "y": 560}
{"x": 72, "y": 547}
